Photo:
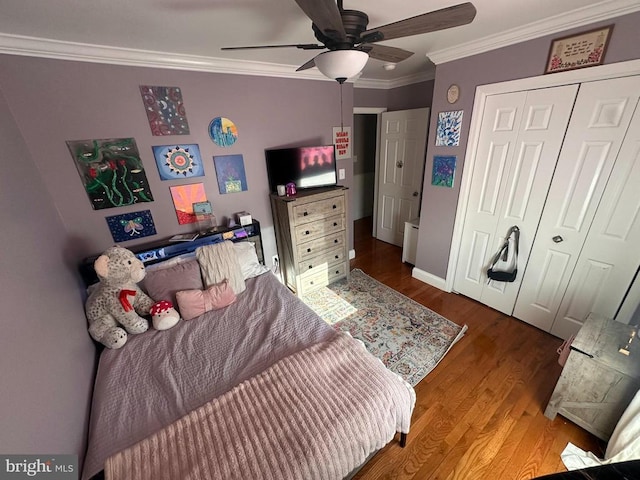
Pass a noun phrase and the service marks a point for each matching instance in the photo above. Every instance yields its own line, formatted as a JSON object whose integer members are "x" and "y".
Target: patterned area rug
{"x": 409, "y": 338}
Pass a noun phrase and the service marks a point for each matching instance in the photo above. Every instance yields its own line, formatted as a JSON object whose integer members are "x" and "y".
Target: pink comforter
{"x": 315, "y": 414}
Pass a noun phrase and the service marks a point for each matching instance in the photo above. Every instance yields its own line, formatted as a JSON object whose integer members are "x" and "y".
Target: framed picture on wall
{"x": 586, "y": 49}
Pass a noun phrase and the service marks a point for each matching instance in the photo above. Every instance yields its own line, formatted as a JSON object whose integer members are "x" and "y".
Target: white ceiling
{"x": 189, "y": 33}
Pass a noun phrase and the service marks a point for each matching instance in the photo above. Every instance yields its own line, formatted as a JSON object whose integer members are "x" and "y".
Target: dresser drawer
{"x": 331, "y": 257}
{"x": 310, "y": 211}
{"x": 323, "y": 278}
{"x": 315, "y": 247}
{"x": 319, "y": 228}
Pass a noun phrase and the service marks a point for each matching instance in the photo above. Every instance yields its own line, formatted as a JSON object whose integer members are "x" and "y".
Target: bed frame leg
{"x": 403, "y": 439}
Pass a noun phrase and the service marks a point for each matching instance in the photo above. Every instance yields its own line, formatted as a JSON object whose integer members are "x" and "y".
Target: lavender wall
{"x": 54, "y": 101}
{"x": 417, "y": 95}
{"x": 46, "y": 356}
{"x": 523, "y": 60}
{"x": 370, "y": 97}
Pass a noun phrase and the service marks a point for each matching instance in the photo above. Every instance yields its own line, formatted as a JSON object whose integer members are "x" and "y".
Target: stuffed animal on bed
{"x": 163, "y": 315}
{"x": 114, "y": 307}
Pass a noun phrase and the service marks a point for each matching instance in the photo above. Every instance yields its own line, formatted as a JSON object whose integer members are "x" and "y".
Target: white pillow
{"x": 172, "y": 262}
{"x": 248, "y": 259}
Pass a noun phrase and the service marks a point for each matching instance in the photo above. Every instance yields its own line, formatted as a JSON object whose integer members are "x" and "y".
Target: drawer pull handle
{"x": 335, "y": 241}
{"x": 335, "y": 206}
{"x": 337, "y": 257}
{"x": 308, "y": 250}
{"x": 335, "y": 224}
{"x": 310, "y": 267}
{"x": 306, "y": 232}
{"x": 305, "y": 214}
{"x": 310, "y": 283}
{"x": 337, "y": 272}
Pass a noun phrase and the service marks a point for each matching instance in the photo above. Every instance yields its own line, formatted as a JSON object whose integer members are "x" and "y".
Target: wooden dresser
{"x": 311, "y": 236}
{"x": 597, "y": 382}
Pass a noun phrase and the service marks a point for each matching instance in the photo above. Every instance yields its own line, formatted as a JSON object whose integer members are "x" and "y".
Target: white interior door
{"x": 520, "y": 140}
{"x": 403, "y": 143}
{"x": 597, "y": 128}
{"x": 611, "y": 255}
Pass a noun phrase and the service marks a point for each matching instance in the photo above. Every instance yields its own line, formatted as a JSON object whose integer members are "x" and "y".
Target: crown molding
{"x": 395, "y": 83}
{"x": 84, "y": 52}
{"x": 576, "y": 18}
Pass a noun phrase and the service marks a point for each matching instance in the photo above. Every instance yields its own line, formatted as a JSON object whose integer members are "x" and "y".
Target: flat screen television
{"x": 307, "y": 167}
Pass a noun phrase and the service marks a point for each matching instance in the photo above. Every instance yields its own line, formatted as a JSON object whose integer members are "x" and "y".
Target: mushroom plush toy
{"x": 163, "y": 315}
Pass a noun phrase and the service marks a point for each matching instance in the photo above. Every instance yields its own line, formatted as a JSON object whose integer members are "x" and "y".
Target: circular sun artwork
{"x": 223, "y": 132}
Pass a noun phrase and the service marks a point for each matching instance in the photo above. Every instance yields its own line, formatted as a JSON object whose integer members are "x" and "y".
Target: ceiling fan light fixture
{"x": 341, "y": 64}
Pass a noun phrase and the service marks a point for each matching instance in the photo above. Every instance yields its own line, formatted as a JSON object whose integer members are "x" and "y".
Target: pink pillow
{"x": 194, "y": 303}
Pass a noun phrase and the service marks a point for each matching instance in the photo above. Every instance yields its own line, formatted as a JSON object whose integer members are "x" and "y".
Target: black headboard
{"x": 164, "y": 249}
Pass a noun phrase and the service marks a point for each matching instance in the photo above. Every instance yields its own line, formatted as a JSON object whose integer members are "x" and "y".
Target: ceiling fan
{"x": 344, "y": 34}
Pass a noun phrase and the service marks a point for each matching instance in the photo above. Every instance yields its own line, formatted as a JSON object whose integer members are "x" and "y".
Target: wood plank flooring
{"x": 479, "y": 413}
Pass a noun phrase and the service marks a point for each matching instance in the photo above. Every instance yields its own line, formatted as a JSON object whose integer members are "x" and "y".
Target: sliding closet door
{"x": 598, "y": 126}
{"x": 611, "y": 253}
{"x": 520, "y": 140}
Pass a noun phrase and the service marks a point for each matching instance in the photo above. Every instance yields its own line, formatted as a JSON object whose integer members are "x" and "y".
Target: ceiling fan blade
{"x": 303, "y": 46}
{"x": 386, "y": 53}
{"x": 325, "y": 15}
{"x": 449, "y": 17}
{"x": 310, "y": 64}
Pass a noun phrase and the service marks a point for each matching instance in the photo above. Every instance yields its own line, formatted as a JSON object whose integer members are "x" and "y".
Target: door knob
{"x": 557, "y": 239}
{"x": 399, "y": 164}
{"x": 415, "y": 194}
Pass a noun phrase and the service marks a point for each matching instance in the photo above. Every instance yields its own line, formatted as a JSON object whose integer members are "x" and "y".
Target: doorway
{"x": 388, "y": 160}
{"x": 366, "y": 141}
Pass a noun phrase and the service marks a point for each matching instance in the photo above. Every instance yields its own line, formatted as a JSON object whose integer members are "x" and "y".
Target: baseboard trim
{"x": 429, "y": 278}
{"x": 352, "y": 254}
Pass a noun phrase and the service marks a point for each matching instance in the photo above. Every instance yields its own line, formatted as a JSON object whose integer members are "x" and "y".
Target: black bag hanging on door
{"x": 504, "y": 265}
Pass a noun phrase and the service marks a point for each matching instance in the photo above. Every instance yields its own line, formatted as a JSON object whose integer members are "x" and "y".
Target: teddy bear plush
{"x": 114, "y": 307}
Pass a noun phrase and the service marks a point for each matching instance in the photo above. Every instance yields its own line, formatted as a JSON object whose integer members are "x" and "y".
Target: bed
{"x": 262, "y": 388}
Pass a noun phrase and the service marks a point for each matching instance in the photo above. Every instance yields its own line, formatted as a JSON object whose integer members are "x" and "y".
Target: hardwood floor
{"x": 479, "y": 413}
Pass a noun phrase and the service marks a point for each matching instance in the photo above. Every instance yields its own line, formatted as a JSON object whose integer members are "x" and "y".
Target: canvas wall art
{"x": 448, "y": 131}
{"x": 178, "y": 161}
{"x": 165, "y": 110}
{"x": 111, "y": 171}
{"x": 129, "y": 226}
{"x": 444, "y": 170}
{"x": 230, "y": 173}
{"x": 223, "y": 132}
{"x": 184, "y": 196}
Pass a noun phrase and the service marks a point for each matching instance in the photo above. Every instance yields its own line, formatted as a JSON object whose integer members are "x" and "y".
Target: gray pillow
{"x": 164, "y": 283}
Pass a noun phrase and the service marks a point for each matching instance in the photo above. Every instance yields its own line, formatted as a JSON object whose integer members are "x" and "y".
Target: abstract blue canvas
{"x": 448, "y": 131}
{"x": 230, "y": 173}
{"x": 129, "y": 226}
{"x": 444, "y": 169}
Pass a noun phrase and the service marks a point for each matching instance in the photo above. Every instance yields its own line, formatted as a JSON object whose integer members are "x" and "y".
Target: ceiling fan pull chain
{"x": 341, "y": 121}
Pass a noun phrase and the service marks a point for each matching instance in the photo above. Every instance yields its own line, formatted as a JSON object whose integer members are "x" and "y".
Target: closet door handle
{"x": 557, "y": 239}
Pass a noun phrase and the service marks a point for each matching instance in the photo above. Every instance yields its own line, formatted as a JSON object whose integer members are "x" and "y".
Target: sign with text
{"x": 49, "y": 467}
{"x": 342, "y": 141}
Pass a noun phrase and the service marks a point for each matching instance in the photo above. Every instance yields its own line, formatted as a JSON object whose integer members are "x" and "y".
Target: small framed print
{"x": 202, "y": 208}
{"x": 585, "y": 49}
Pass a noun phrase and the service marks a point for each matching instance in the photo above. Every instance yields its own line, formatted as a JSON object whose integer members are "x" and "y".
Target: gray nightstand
{"x": 597, "y": 382}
